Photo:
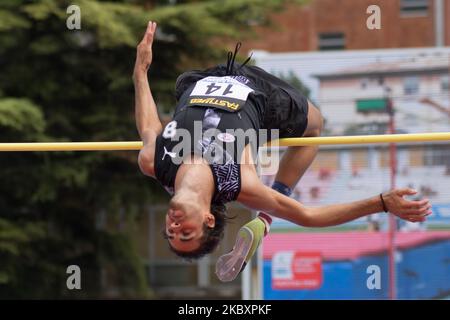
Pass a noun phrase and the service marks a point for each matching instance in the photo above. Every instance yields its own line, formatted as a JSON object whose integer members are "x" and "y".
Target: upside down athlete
{"x": 235, "y": 96}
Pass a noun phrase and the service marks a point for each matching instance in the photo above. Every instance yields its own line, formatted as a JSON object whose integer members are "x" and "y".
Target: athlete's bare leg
{"x": 296, "y": 160}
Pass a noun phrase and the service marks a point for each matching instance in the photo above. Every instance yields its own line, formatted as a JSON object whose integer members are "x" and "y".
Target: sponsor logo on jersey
{"x": 226, "y": 137}
{"x": 168, "y": 153}
{"x": 214, "y": 101}
{"x": 241, "y": 79}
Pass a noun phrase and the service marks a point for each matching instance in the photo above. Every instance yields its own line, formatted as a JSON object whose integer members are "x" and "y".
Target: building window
{"x": 345, "y": 160}
{"x": 411, "y": 85}
{"x": 445, "y": 83}
{"x": 437, "y": 155}
{"x": 364, "y": 83}
{"x": 371, "y": 82}
{"x": 414, "y": 7}
{"x": 374, "y": 158}
{"x": 331, "y": 41}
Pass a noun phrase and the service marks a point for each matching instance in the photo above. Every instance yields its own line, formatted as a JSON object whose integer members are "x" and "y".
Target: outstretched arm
{"x": 287, "y": 208}
{"x": 146, "y": 113}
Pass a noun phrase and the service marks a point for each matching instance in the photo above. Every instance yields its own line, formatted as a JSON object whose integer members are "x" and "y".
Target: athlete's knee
{"x": 321, "y": 121}
{"x": 315, "y": 122}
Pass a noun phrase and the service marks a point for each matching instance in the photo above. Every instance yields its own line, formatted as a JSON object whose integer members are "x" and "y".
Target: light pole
{"x": 392, "y": 219}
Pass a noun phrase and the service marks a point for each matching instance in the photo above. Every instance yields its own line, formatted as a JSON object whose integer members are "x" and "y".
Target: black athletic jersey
{"x": 210, "y": 103}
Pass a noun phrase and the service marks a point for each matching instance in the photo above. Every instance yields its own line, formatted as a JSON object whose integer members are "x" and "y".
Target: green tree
{"x": 296, "y": 82}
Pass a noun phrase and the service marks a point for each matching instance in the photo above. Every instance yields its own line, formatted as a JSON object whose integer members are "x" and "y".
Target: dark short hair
{"x": 211, "y": 236}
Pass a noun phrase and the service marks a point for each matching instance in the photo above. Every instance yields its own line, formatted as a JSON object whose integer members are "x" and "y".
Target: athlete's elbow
{"x": 146, "y": 163}
{"x": 295, "y": 212}
{"x": 158, "y": 127}
{"x": 308, "y": 218}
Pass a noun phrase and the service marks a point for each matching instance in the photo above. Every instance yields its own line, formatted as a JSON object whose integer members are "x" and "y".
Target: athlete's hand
{"x": 414, "y": 211}
{"x": 144, "y": 50}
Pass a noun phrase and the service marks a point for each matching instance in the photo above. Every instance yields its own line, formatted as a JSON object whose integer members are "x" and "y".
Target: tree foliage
{"x": 296, "y": 82}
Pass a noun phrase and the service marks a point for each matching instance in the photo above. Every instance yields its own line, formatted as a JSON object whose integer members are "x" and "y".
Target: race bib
{"x": 224, "y": 93}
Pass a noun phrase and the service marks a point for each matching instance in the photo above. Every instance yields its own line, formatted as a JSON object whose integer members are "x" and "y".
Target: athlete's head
{"x": 192, "y": 233}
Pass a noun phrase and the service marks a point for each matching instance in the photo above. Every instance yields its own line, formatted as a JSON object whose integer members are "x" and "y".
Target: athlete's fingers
{"x": 417, "y": 204}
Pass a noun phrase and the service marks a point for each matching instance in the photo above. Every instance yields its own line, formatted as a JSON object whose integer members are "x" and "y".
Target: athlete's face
{"x": 184, "y": 226}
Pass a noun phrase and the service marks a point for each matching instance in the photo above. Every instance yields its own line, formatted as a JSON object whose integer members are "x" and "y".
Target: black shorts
{"x": 284, "y": 107}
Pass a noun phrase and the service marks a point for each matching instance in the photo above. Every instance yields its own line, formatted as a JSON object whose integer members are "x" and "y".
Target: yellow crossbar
{"x": 137, "y": 145}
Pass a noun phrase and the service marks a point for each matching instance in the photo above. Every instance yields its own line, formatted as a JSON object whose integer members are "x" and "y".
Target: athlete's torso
{"x": 249, "y": 100}
{"x": 215, "y": 118}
